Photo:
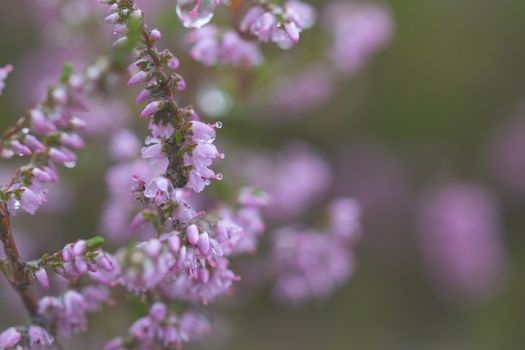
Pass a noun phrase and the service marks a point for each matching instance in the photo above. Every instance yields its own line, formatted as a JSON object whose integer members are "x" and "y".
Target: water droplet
{"x": 70, "y": 165}
{"x": 218, "y": 125}
{"x": 17, "y": 205}
{"x": 25, "y": 131}
{"x": 219, "y": 176}
{"x": 195, "y": 13}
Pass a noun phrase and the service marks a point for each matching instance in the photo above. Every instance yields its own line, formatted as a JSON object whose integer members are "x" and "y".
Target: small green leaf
{"x": 67, "y": 71}
{"x": 95, "y": 242}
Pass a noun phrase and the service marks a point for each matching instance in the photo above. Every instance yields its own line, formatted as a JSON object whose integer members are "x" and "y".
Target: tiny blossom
{"x": 10, "y": 338}
{"x": 39, "y": 338}
{"x": 154, "y": 152}
{"x": 159, "y": 189}
{"x": 41, "y": 276}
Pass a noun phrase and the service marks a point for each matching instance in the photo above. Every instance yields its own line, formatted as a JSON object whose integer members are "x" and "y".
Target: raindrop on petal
{"x": 195, "y": 13}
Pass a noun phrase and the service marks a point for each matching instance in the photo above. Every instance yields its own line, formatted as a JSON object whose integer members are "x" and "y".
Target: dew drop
{"x": 218, "y": 125}
{"x": 195, "y": 13}
{"x": 219, "y": 176}
{"x": 25, "y": 131}
{"x": 70, "y": 165}
{"x": 17, "y": 205}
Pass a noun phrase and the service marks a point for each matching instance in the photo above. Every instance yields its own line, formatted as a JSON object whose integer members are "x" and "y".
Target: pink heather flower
{"x": 71, "y": 140}
{"x": 295, "y": 180}
{"x": 4, "y": 72}
{"x": 159, "y": 189}
{"x": 301, "y": 13}
{"x": 43, "y": 176}
{"x": 68, "y": 313}
{"x": 293, "y": 31}
{"x": 461, "y": 241}
{"x": 10, "y": 338}
{"x": 173, "y": 63}
{"x": 138, "y": 78}
{"x": 143, "y": 96}
{"x": 192, "y": 234}
{"x": 308, "y": 265}
{"x": 203, "y": 286}
{"x": 62, "y": 155}
{"x": 145, "y": 266}
{"x": 76, "y": 263}
{"x": 151, "y": 109}
{"x": 250, "y": 17}
{"x": 156, "y": 34}
{"x": 161, "y": 131}
{"x": 235, "y": 51}
{"x": 205, "y": 46}
{"x": 31, "y": 199}
{"x": 200, "y": 159}
{"x": 202, "y": 132}
{"x": 41, "y": 276}
{"x": 253, "y": 198}
{"x": 33, "y": 143}
{"x": 359, "y": 31}
{"x": 20, "y": 149}
{"x": 39, "y": 338}
{"x": 154, "y": 152}
{"x": 40, "y": 124}
{"x": 252, "y": 224}
{"x": 162, "y": 328}
{"x": 263, "y": 26}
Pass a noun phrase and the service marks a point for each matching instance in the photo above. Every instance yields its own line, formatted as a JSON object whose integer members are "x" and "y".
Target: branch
{"x": 17, "y": 274}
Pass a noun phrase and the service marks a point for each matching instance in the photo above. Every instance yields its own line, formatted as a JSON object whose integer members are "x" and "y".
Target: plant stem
{"x": 17, "y": 274}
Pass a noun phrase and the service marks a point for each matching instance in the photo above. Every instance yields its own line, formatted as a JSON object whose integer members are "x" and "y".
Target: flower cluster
{"x": 67, "y": 314}
{"x": 21, "y": 338}
{"x": 76, "y": 260}
{"x": 163, "y": 328}
{"x": 210, "y": 46}
{"x": 281, "y": 25}
{"x": 49, "y": 134}
{"x": 175, "y": 254}
{"x": 310, "y": 264}
{"x": 295, "y": 179}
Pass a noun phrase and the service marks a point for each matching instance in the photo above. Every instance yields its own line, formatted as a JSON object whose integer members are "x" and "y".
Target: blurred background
{"x": 415, "y": 109}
